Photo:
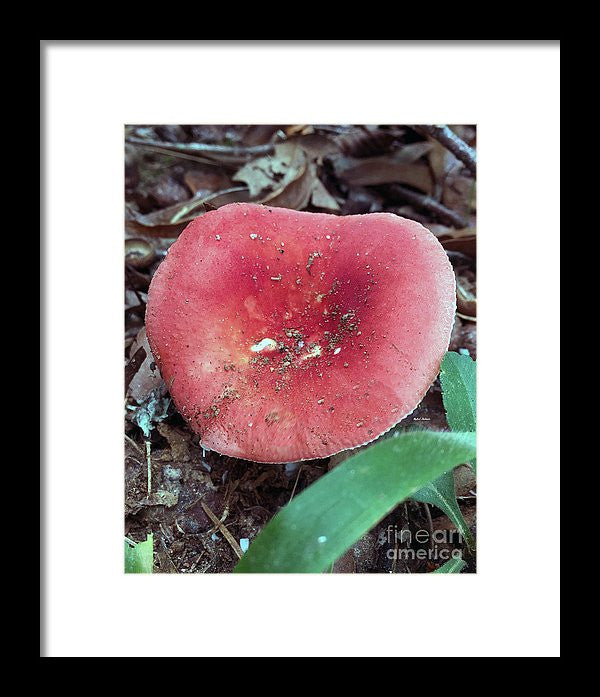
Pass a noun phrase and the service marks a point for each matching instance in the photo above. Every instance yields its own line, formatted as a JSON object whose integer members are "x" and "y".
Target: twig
{"x": 133, "y": 443}
{"x": 184, "y": 156}
{"x": 205, "y": 149}
{"x": 195, "y": 564}
{"x": 296, "y": 483}
{"x": 452, "y": 142}
{"x": 149, "y": 461}
{"x": 203, "y": 200}
{"x": 165, "y": 552}
{"x": 224, "y": 531}
{"x": 426, "y": 202}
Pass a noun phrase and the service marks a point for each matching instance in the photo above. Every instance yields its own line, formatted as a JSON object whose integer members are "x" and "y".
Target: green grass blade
{"x": 322, "y": 522}
{"x": 441, "y": 493}
{"x": 458, "y": 380}
{"x": 139, "y": 558}
{"x": 453, "y": 566}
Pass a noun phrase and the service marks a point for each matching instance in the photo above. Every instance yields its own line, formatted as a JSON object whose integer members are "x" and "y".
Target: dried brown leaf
{"x": 259, "y": 134}
{"x": 442, "y": 161}
{"x": 316, "y": 145}
{"x": 459, "y": 194}
{"x": 167, "y": 192}
{"x": 201, "y": 181}
{"x": 296, "y": 129}
{"x": 134, "y": 364}
{"x": 464, "y": 245}
{"x": 385, "y": 169}
{"x": 296, "y": 194}
{"x": 178, "y": 441}
{"x": 169, "y": 222}
{"x": 288, "y": 179}
{"x": 367, "y": 141}
{"x": 269, "y": 176}
{"x": 321, "y": 198}
{"x": 362, "y": 200}
{"x": 466, "y": 301}
{"x": 147, "y": 376}
{"x": 139, "y": 253}
{"x": 442, "y": 231}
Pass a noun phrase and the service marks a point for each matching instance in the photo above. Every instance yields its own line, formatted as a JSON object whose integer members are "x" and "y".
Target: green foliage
{"x": 453, "y": 566}
{"x": 139, "y": 557}
{"x": 459, "y": 391}
{"x": 441, "y": 493}
{"x": 322, "y": 522}
{"x": 458, "y": 379}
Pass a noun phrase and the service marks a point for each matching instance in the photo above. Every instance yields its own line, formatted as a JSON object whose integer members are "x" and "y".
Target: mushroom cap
{"x": 286, "y": 335}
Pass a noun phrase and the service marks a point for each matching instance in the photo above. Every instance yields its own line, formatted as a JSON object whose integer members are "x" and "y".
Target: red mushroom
{"x": 285, "y": 335}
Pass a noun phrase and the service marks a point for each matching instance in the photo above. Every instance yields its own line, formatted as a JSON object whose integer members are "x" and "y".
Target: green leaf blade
{"x": 452, "y": 566}
{"x": 459, "y": 391}
{"x": 458, "y": 378}
{"x": 322, "y": 522}
{"x": 441, "y": 493}
{"x": 139, "y": 558}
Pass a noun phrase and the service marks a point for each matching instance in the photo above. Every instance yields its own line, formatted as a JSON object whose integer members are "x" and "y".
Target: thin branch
{"x": 446, "y": 215}
{"x": 149, "y": 462}
{"x": 184, "y": 156}
{"x": 452, "y": 142}
{"x": 296, "y": 483}
{"x": 134, "y": 444}
{"x": 224, "y": 531}
{"x": 204, "y": 148}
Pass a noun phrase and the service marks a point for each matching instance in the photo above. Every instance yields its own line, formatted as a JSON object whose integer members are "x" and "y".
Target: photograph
{"x": 274, "y": 422}
{"x": 300, "y": 348}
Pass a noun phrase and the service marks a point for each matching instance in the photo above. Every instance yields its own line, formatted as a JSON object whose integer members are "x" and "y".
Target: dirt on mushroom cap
{"x": 270, "y": 369}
